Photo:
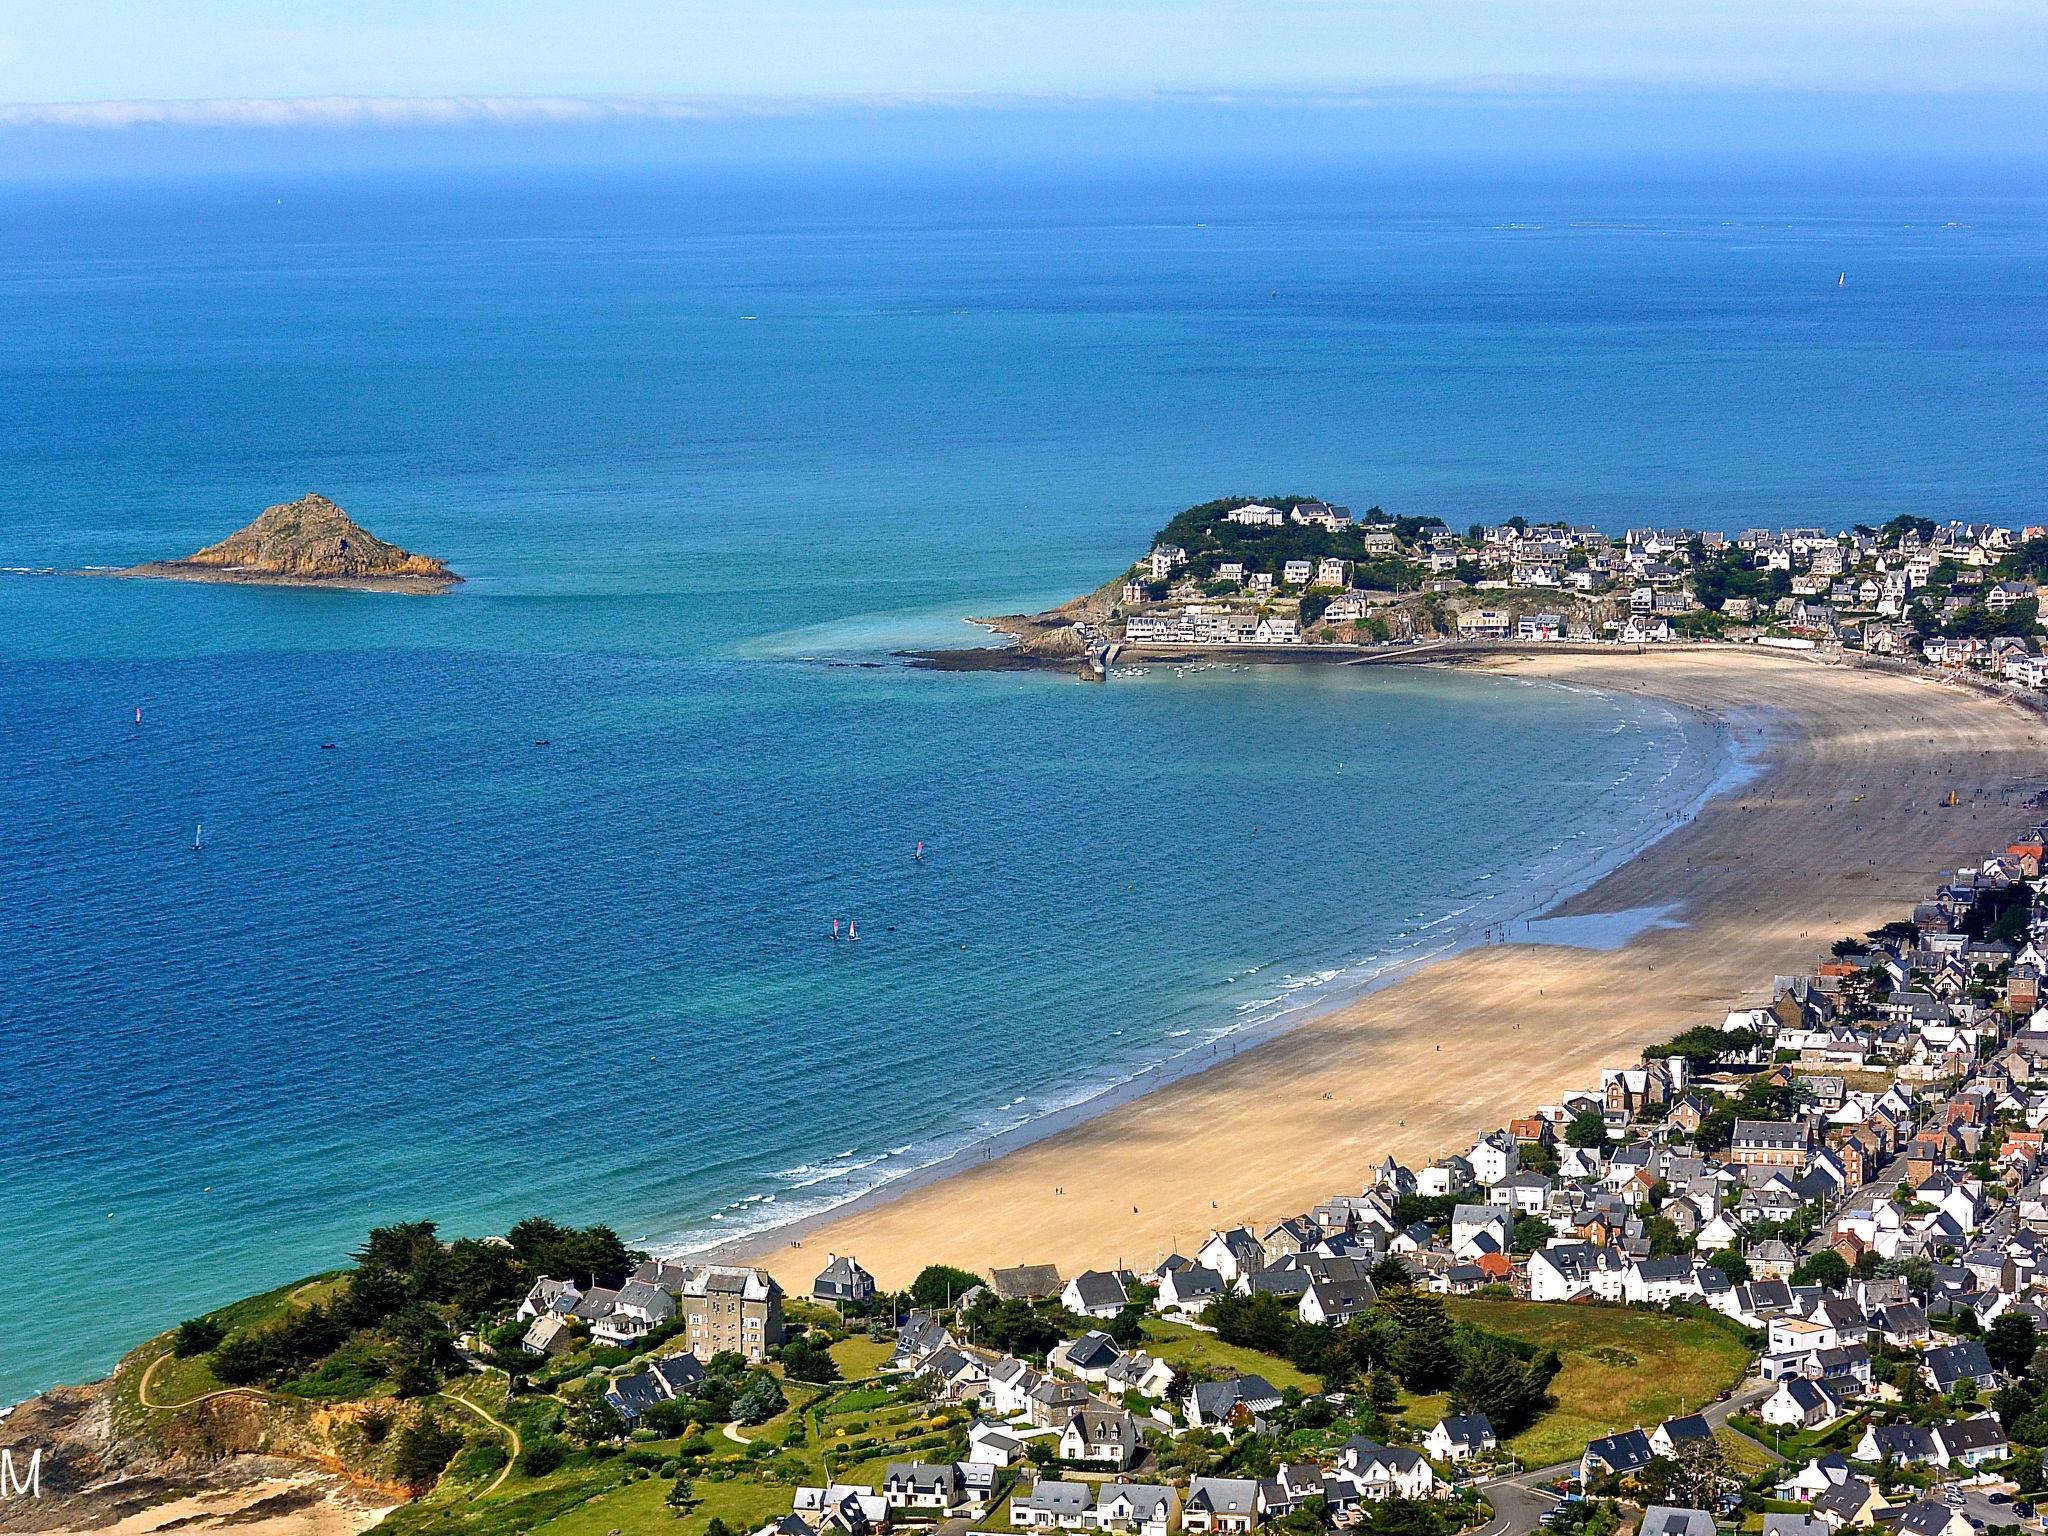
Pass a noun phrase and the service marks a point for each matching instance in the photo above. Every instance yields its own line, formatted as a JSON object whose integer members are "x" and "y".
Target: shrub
{"x": 197, "y": 1336}
{"x": 424, "y": 1449}
{"x": 542, "y": 1457}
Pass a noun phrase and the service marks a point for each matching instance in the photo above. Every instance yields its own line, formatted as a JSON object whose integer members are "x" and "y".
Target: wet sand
{"x": 1839, "y": 832}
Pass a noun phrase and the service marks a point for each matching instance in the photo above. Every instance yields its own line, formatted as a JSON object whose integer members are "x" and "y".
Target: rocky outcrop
{"x": 308, "y": 542}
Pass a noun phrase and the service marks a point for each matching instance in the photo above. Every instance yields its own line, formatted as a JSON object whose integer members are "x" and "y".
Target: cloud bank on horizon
{"x": 123, "y": 63}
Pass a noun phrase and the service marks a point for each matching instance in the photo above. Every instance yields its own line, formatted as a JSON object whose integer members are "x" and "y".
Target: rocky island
{"x": 310, "y": 542}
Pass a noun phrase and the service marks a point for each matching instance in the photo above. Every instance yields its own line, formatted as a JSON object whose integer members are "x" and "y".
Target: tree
{"x": 1497, "y": 1382}
{"x": 1400, "y": 1517}
{"x": 1309, "y": 1518}
{"x": 1530, "y": 1233}
{"x": 1423, "y": 1357}
{"x": 197, "y": 1336}
{"x": 242, "y": 1359}
{"x": 1587, "y": 1129}
{"x": 804, "y": 1361}
{"x": 1696, "y": 1473}
{"x": 1733, "y": 1266}
{"x": 759, "y": 1400}
{"x": 541, "y": 1457}
{"x": 422, "y": 1452}
{"x": 2011, "y": 1342}
{"x": 1391, "y": 1274}
{"x": 940, "y": 1285}
{"x": 1826, "y": 1268}
{"x": 594, "y": 1421}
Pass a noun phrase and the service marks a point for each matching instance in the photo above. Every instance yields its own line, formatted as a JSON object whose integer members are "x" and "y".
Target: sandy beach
{"x": 1840, "y": 831}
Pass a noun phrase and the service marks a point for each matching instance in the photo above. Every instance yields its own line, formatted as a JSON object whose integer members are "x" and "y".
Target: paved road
{"x": 1517, "y": 1506}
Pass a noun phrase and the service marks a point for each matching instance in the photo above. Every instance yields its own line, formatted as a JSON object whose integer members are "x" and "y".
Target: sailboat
{"x": 198, "y": 832}
{"x": 1842, "y": 281}
{"x": 138, "y": 714}
{"x": 852, "y": 933}
{"x": 919, "y": 855}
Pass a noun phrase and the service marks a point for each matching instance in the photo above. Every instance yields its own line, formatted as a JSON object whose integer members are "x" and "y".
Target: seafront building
{"x": 1963, "y": 597}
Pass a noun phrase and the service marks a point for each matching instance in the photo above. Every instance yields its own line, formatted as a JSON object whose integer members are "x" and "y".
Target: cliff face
{"x": 312, "y": 539}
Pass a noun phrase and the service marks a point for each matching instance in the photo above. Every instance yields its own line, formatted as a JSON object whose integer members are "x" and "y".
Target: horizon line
{"x": 359, "y": 111}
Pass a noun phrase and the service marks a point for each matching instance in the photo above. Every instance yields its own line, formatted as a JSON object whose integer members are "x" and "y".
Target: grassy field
{"x": 643, "y": 1506}
{"x": 180, "y": 1381}
{"x": 1621, "y": 1368}
{"x": 1191, "y": 1349}
{"x": 860, "y": 1357}
{"x": 1743, "y": 1457}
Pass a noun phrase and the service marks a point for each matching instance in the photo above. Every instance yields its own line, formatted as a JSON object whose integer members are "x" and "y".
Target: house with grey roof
{"x": 1185, "y": 1292}
{"x": 1108, "y": 1436}
{"x": 1223, "y": 1504}
{"x": 934, "y": 1487}
{"x": 1903, "y": 1445}
{"x": 1972, "y": 1442}
{"x": 842, "y": 1282}
{"x": 1931, "y": 1517}
{"x": 1025, "y": 1282}
{"x": 1460, "y": 1437}
{"x": 1136, "y": 1509}
{"x": 1096, "y": 1293}
{"x": 1950, "y": 1365}
{"x": 1616, "y": 1455}
{"x": 1052, "y": 1505}
{"x": 1213, "y": 1404}
{"x": 1667, "y": 1520}
{"x": 1090, "y": 1357}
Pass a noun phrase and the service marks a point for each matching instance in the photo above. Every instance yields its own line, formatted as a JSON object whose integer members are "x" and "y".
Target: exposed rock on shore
{"x": 305, "y": 543}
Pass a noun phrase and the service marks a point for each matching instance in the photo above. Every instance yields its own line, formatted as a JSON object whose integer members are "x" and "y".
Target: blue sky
{"x": 146, "y": 50}
{"x": 1943, "y": 72}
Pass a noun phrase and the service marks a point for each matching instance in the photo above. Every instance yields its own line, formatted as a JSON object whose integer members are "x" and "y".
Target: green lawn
{"x": 1621, "y": 1368}
{"x": 860, "y": 1357}
{"x": 1191, "y": 1349}
{"x": 643, "y": 1506}
{"x": 180, "y": 1381}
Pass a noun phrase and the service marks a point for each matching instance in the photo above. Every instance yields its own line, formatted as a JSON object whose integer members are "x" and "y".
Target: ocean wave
{"x": 1570, "y": 864}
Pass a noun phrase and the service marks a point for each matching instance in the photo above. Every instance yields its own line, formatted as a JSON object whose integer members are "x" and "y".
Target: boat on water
{"x": 198, "y": 835}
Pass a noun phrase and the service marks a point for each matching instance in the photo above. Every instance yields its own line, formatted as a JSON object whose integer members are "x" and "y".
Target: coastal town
{"x": 1301, "y": 572}
{"x": 1786, "y": 1272}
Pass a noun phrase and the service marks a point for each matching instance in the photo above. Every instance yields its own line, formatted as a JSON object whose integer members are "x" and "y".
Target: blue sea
{"x": 711, "y": 449}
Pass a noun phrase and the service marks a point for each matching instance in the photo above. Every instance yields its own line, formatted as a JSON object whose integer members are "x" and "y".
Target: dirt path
{"x": 142, "y": 1390}
{"x": 510, "y": 1433}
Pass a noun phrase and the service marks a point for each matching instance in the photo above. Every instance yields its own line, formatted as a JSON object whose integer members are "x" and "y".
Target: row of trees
{"x": 395, "y": 1314}
{"x": 1409, "y": 1337}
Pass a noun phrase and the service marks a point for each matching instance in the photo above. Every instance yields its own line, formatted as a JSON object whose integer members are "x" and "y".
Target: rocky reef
{"x": 310, "y": 542}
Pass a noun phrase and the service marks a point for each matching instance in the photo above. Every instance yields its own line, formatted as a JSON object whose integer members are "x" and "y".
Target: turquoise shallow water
{"x": 440, "y": 970}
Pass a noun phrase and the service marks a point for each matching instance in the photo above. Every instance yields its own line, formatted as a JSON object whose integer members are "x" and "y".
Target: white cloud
{"x": 402, "y": 111}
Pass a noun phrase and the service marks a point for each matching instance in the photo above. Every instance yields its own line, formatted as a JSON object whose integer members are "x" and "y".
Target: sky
{"x": 112, "y": 78}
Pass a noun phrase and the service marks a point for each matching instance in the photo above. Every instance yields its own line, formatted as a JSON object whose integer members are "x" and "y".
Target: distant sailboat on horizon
{"x": 198, "y": 835}
{"x": 1842, "y": 281}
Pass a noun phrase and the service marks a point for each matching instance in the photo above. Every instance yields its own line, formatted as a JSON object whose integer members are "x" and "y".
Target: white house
{"x": 1232, "y": 1255}
{"x": 1096, "y": 1293}
{"x": 1460, "y": 1437}
{"x": 1801, "y": 1404}
{"x": 1139, "y": 1509}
